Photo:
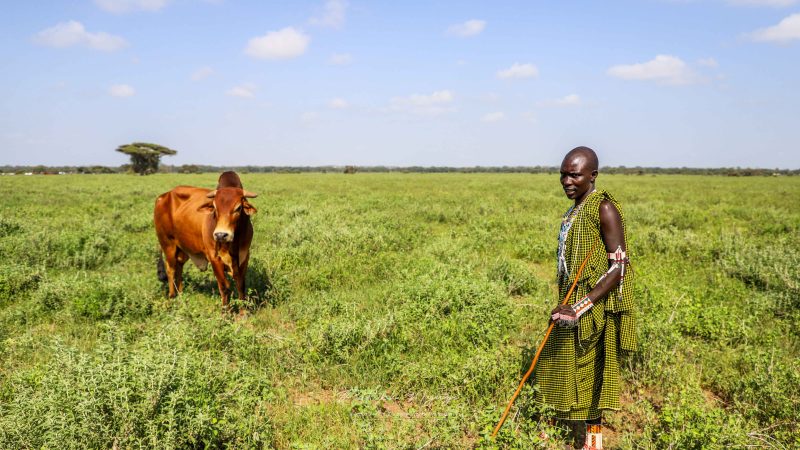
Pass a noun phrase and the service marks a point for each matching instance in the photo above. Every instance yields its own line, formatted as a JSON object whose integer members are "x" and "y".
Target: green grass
{"x": 388, "y": 311}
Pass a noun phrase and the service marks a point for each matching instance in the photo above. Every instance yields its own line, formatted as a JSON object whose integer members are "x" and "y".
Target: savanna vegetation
{"x": 389, "y": 311}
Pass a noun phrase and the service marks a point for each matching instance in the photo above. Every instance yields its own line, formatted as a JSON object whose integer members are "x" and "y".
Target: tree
{"x": 144, "y": 156}
{"x": 190, "y": 168}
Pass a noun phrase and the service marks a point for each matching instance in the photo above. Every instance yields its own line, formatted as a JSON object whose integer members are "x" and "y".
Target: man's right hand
{"x": 563, "y": 315}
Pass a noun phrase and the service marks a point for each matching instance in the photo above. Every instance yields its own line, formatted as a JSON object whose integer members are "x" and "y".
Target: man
{"x": 578, "y": 372}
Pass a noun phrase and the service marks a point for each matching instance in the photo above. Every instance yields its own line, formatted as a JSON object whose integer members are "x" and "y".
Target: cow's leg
{"x": 222, "y": 282}
{"x": 170, "y": 262}
{"x": 240, "y": 279}
{"x": 241, "y": 260}
{"x": 236, "y": 275}
{"x": 180, "y": 260}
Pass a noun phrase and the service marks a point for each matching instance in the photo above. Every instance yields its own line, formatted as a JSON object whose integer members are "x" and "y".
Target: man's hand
{"x": 563, "y": 315}
{"x": 567, "y": 316}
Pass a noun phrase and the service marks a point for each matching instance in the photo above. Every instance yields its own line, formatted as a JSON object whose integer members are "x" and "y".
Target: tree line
{"x": 197, "y": 168}
{"x": 146, "y": 160}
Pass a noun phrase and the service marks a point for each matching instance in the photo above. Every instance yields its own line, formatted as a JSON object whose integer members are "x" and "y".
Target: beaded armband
{"x": 581, "y": 306}
{"x": 619, "y": 259}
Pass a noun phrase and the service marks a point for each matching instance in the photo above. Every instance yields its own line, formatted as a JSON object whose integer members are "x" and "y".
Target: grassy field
{"x": 388, "y": 311}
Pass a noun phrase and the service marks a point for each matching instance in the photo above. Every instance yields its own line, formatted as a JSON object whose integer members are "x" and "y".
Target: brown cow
{"x": 206, "y": 226}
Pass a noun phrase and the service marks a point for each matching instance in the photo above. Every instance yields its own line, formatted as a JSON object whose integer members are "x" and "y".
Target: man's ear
{"x": 206, "y": 207}
{"x": 248, "y": 208}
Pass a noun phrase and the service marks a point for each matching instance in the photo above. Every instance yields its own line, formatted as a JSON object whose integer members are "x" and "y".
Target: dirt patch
{"x": 318, "y": 397}
{"x": 394, "y": 408}
{"x": 713, "y": 399}
{"x": 638, "y": 409}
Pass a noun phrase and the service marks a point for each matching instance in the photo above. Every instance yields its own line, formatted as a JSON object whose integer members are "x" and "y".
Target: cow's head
{"x": 228, "y": 204}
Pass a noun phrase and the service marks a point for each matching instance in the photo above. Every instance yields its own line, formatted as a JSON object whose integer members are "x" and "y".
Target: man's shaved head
{"x": 578, "y": 171}
{"x": 585, "y": 152}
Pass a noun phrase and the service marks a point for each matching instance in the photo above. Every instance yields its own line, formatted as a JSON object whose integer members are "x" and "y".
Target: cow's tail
{"x": 160, "y": 268}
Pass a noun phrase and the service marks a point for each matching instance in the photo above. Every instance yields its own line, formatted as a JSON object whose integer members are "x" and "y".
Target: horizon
{"x": 172, "y": 168}
{"x": 701, "y": 84}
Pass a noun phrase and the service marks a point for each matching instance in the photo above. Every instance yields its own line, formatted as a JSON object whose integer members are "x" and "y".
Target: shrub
{"x": 103, "y": 298}
{"x": 155, "y": 393}
{"x": 516, "y": 276}
{"x": 8, "y": 227}
{"x": 16, "y": 279}
{"x": 686, "y": 422}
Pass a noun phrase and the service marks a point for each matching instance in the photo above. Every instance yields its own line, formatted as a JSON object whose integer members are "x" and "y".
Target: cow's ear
{"x": 248, "y": 208}
{"x": 206, "y": 207}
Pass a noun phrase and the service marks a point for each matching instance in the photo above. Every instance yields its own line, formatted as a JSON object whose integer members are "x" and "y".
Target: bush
{"x": 686, "y": 422}
{"x": 266, "y": 285}
{"x": 8, "y": 227}
{"x": 516, "y": 276}
{"x": 155, "y": 393}
{"x": 102, "y": 298}
{"x": 84, "y": 249}
{"x": 17, "y": 279}
{"x": 86, "y": 295}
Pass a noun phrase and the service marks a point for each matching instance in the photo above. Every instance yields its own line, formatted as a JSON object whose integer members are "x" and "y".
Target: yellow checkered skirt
{"x": 578, "y": 372}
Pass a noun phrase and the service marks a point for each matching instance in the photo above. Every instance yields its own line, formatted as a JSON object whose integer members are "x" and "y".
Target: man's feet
{"x": 594, "y": 437}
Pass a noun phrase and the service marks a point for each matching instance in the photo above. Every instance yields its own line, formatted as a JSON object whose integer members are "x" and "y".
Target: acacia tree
{"x": 144, "y": 156}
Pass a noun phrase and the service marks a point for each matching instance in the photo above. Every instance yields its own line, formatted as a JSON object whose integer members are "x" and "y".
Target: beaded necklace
{"x": 566, "y": 224}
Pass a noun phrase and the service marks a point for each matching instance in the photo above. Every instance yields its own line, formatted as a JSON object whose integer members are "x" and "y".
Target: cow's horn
{"x": 211, "y": 194}
{"x": 248, "y": 194}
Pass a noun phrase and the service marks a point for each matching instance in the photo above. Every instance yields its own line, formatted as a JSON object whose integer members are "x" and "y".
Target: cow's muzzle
{"x": 223, "y": 236}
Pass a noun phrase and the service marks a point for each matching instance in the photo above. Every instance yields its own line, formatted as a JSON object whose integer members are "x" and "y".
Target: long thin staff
{"x": 541, "y": 346}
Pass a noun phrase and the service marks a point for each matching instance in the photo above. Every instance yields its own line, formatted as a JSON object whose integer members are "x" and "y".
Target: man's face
{"x": 577, "y": 178}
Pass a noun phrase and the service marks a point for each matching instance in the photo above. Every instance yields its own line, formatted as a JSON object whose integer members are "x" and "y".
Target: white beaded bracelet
{"x": 581, "y": 306}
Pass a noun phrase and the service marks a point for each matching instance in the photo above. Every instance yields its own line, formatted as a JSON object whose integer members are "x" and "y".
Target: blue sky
{"x": 696, "y": 83}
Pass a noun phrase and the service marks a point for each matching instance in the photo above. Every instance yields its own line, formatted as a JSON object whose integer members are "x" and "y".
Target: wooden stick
{"x": 541, "y": 346}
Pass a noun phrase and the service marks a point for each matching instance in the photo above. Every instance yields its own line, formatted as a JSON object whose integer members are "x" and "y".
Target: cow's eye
{"x": 238, "y": 208}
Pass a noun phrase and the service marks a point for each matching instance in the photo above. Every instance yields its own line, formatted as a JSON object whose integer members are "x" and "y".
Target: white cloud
{"x": 121, "y": 90}
{"x": 530, "y": 117}
{"x": 340, "y": 59}
{"x": 665, "y": 69}
{"x": 569, "y": 100}
{"x": 282, "y": 44}
{"x": 338, "y": 103}
{"x": 332, "y": 15}
{"x": 493, "y": 117}
{"x": 247, "y": 90}
{"x": 124, "y": 6}
{"x": 68, "y": 34}
{"x": 469, "y": 28}
{"x": 438, "y": 102}
{"x": 518, "y": 70}
{"x": 309, "y": 117}
{"x": 490, "y": 97}
{"x": 785, "y": 31}
{"x": 707, "y": 62}
{"x": 202, "y": 73}
{"x": 774, "y": 3}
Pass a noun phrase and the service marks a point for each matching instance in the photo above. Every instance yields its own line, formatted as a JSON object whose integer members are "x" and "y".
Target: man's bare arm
{"x": 611, "y": 231}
